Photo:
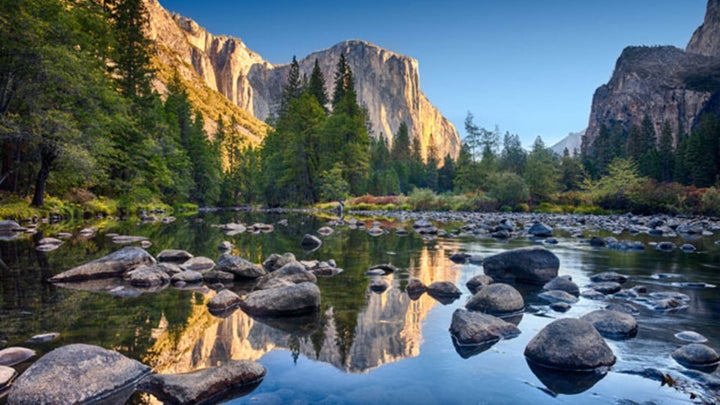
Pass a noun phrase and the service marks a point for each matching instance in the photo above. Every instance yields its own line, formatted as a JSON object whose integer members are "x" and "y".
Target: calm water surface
{"x": 364, "y": 347}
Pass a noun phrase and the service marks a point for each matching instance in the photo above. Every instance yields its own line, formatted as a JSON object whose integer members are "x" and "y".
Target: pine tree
{"x": 542, "y": 174}
{"x": 665, "y": 151}
{"x": 316, "y": 86}
{"x": 292, "y": 87}
{"x": 513, "y": 157}
{"x": 446, "y": 175}
{"x": 344, "y": 82}
{"x": 132, "y": 51}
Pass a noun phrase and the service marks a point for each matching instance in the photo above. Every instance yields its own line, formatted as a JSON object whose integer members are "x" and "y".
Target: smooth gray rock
{"x": 497, "y": 299}
{"x": 44, "y": 337}
{"x": 217, "y": 276}
{"x": 540, "y": 230}
{"x": 562, "y": 283}
{"x": 325, "y": 231}
{"x": 569, "y": 344}
{"x": 205, "y": 386}
{"x": 459, "y": 257}
{"x": 225, "y": 246}
{"x": 240, "y": 267}
{"x": 7, "y": 375}
{"x": 198, "y": 263}
{"x": 276, "y": 261}
{"x": 284, "y": 301}
{"x": 534, "y": 265}
{"x": 148, "y": 276}
{"x": 293, "y": 272}
{"x": 125, "y": 239}
{"x": 665, "y": 246}
{"x": 696, "y": 355}
{"x": 415, "y": 286}
{"x": 554, "y": 296}
{"x": 560, "y": 306}
{"x": 174, "y": 256}
{"x": 10, "y": 226}
{"x": 691, "y": 336}
{"x": 112, "y": 265}
{"x": 77, "y": 374}
{"x": 605, "y": 287}
{"x": 188, "y": 277}
{"x": 478, "y": 282}
{"x": 472, "y": 328}
{"x": 593, "y": 295}
{"x": 443, "y": 289}
{"x": 223, "y": 301}
{"x": 310, "y": 242}
{"x": 11, "y": 356}
{"x": 612, "y": 324}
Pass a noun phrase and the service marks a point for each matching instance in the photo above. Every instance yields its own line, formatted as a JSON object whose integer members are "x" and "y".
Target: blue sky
{"x": 527, "y": 66}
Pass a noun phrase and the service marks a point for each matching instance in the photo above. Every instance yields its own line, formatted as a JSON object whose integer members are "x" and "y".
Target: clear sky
{"x": 528, "y": 66}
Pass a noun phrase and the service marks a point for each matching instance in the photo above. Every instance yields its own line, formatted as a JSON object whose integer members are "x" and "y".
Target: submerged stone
{"x": 112, "y": 265}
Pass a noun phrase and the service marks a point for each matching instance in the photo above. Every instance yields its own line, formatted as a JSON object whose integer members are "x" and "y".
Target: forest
{"x": 83, "y": 130}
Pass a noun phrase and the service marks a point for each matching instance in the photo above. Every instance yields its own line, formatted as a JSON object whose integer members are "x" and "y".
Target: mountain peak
{"x": 706, "y": 39}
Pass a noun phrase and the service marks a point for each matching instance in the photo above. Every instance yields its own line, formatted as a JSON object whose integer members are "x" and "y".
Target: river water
{"x": 365, "y": 347}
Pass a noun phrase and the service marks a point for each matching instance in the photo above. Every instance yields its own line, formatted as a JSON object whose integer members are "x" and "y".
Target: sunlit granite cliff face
{"x": 664, "y": 83}
{"x": 388, "y": 329}
{"x": 387, "y": 83}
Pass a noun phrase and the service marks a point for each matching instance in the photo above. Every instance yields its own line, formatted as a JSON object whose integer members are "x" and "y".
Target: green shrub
{"x": 18, "y": 210}
{"x": 710, "y": 202}
{"x": 423, "y": 199}
{"x": 508, "y": 189}
{"x": 101, "y": 206}
{"x": 522, "y": 207}
{"x": 548, "y": 208}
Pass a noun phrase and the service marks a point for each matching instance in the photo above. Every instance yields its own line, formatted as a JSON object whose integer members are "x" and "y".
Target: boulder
{"x": 225, "y": 246}
{"x": 10, "y": 226}
{"x": 665, "y": 246}
{"x": 385, "y": 267}
{"x": 7, "y": 375}
{"x": 459, "y": 257}
{"x": 569, "y": 344}
{"x": 443, "y": 289}
{"x": 688, "y": 248}
{"x": 293, "y": 272}
{"x": 43, "y": 337}
{"x": 223, "y": 301}
{"x": 11, "y": 356}
{"x": 284, "y": 301}
{"x": 540, "y": 230}
{"x": 691, "y": 336}
{"x": 310, "y": 242}
{"x": 188, "y": 277}
{"x": 325, "y": 231}
{"x": 534, "y": 265}
{"x": 174, "y": 256}
{"x": 472, "y": 328}
{"x": 148, "y": 276}
{"x": 217, "y": 276}
{"x": 497, "y": 299}
{"x": 230, "y": 380}
{"x": 697, "y": 355}
{"x": 692, "y": 228}
{"x": 612, "y": 324}
{"x": 276, "y": 261}
{"x": 199, "y": 263}
{"x": 554, "y": 296}
{"x": 560, "y": 306}
{"x": 48, "y": 244}
{"x": 605, "y": 287}
{"x": 478, "y": 282}
{"x": 240, "y": 267}
{"x": 112, "y": 265}
{"x": 415, "y": 286}
{"x": 597, "y": 241}
{"x": 170, "y": 268}
{"x": 562, "y": 283}
{"x": 78, "y": 373}
{"x": 609, "y": 276}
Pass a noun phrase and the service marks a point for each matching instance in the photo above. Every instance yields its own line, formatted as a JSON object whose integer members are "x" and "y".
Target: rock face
{"x": 386, "y": 82}
{"x": 204, "y": 386}
{"x": 112, "y": 265}
{"x": 534, "y": 265}
{"x": 569, "y": 344}
{"x": 77, "y": 373}
{"x": 665, "y": 83}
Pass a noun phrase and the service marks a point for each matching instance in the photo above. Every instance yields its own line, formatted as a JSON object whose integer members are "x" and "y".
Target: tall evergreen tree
{"x": 316, "y": 86}
{"x": 542, "y": 173}
{"x": 513, "y": 157}
{"x": 446, "y": 174}
{"x": 344, "y": 82}
{"x": 292, "y": 87}
{"x": 665, "y": 151}
{"x": 132, "y": 51}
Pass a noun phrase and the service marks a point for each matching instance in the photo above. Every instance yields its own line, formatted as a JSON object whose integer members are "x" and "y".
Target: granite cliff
{"x": 387, "y": 83}
{"x": 664, "y": 83}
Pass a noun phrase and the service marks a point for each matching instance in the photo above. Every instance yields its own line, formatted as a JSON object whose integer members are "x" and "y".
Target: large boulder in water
{"x": 148, "y": 276}
{"x": 174, "y": 256}
{"x": 612, "y": 324}
{"x": 497, "y": 299}
{"x": 569, "y": 344}
{"x": 78, "y": 374}
{"x": 540, "y": 230}
{"x": 293, "y": 272}
{"x": 472, "y": 328}
{"x": 310, "y": 242}
{"x": 283, "y": 301}
{"x": 112, "y": 265}
{"x": 562, "y": 283}
{"x": 230, "y": 380}
{"x": 698, "y": 356}
{"x": 276, "y": 261}
{"x": 11, "y": 356}
{"x": 238, "y": 266}
{"x": 533, "y": 265}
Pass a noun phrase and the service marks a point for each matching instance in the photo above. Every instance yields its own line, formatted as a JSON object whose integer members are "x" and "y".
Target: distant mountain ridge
{"x": 664, "y": 83}
{"x": 387, "y": 83}
{"x": 572, "y": 142}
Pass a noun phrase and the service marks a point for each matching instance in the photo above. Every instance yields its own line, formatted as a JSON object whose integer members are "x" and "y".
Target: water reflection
{"x": 566, "y": 382}
{"x": 387, "y": 329}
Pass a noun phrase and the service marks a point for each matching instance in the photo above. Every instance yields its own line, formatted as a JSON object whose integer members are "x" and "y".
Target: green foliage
{"x": 423, "y": 199}
{"x": 333, "y": 186}
{"x": 613, "y": 191}
{"x": 710, "y": 202}
{"x": 508, "y": 188}
{"x": 542, "y": 173}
